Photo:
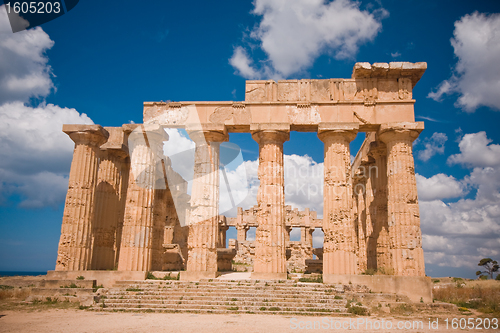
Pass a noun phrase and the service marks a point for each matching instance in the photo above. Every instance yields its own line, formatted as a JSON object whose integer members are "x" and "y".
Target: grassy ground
{"x": 12, "y": 298}
{"x": 483, "y": 296}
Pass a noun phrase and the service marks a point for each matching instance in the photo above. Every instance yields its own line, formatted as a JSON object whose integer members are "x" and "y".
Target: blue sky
{"x": 102, "y": 60}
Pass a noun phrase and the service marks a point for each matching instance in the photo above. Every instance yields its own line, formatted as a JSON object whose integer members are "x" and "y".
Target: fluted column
{"x": 359, "y": 201}
{"x": 287, "y": 233}
{"x": 338, "y": 225}
{"x": 222, "y": 234}
{"x": 203, "y": 219}
{"x": 75, "y": 245}
{"x": 380, "y": 238}
{"x": 241, "y": 232}
{"x": 146, "y": 150}
{"x": 403, "y": 213}
{"x": 270, "y": 260}
{"x": 107, "y": 208}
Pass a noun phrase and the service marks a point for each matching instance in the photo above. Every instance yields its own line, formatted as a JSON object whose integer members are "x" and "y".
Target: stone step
{"x": 224, "y": 311}
{"x": 254, "y": 308}
{"x": 295, "y": 297}
{"x": 224, "y": 291}
{"x": 275, "y": 298}
{"x": 225, "y": 287}
{"x": 227, "y": 282}
{"x": 258, "y": 302}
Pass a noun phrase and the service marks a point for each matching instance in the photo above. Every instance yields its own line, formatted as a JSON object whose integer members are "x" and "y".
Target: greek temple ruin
{"x": 127, "y": 211}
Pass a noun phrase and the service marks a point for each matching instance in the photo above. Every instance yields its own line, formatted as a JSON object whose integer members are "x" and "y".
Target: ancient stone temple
{"x": 128, "y": 211}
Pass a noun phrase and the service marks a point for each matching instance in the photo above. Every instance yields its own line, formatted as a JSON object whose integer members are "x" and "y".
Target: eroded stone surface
{"x": 126, "y": 207}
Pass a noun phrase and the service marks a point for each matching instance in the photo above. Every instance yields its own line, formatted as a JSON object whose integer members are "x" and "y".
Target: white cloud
{"x": 438, "y": 187}
{"x": 241, "y": 61}
{"x": 476, "y": 77}
{"x": 24, "y": 72}
{"x": 294, "y": 33}
{"x": 35, "y": 155}
{"x": 433, "y": 145}
{"x": 459, "y": 234}
{"x": 303, "y": 184}
{"x": 476, "y": 151}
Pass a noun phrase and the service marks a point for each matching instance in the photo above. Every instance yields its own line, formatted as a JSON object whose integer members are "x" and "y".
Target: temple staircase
{"x": 229, "y": 296}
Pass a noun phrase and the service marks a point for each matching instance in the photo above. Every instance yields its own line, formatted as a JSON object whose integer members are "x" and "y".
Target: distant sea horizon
{"x": 19, "y": 273}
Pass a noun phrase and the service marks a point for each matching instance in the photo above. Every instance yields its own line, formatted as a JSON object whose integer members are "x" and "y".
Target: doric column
{"x": 204, "y": 214}
{"x": 403, "y": 213}
{"x": 380, "y": 236}
{"x": 371, "y": 176}
{"x": 107, "y": 203}
{"x": 287, "y": 233}
{"x": 270, "y": 260}
{"x": 75, "y": 245}
{"x": 338, "y": 225}
{"x": 223, "y": 227}
{"x": 146, "y": 151}
{"x": 361, "y": 209}
{"x": 241, "y": 232}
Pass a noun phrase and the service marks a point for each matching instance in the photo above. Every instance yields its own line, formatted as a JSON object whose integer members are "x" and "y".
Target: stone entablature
{"x": 293, "y": 218}
{"x": 376, "y": 94}
{"x": 106, "y": 172}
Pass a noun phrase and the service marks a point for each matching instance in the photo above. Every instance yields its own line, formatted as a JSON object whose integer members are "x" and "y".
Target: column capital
{"x": 92, "y": 135}
{"x": 208, "y": 133}
{"x": 151, "y": 133}
{"x": 346, "y": 130}
{"x": 400, "y": 131}
{"x": 269, "y": 133}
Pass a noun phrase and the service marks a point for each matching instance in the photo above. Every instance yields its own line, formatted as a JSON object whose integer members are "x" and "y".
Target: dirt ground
{"x": 76, "y": 321}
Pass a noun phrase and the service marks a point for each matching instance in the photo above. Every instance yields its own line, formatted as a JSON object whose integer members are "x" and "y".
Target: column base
{"x": 268, "y": 276}
{"x": 416, "y": 288}
{"x": 197, "y": 276}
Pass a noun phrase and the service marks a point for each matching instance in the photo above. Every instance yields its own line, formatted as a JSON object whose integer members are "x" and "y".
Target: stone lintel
{"x": 414, "y": 71}
{"x": 117, "y": 143}
{"x": 281, "y": 127}
{"x": 390, "y": 131}
{"x": 88, "y": 134}
{"x": 118, "y": 150}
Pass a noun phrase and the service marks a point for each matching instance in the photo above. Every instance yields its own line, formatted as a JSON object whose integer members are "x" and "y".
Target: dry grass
{"x": 8, "y": 292}
{"x": 479, "y": 295}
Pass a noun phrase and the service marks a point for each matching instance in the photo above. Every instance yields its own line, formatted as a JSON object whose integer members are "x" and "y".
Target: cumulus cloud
{"x": 303, "y": 184}
{"x": 294, "y": 33}
{"x": 24, "y": 72}
{"x": 439, "y": 187}
{"x": 433, "y": 145}
{"x": 35, "y": 155}
{"x": 476, "y": 76}
{"x": 459, "y": 234}
{"x": 476, "y": 151}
